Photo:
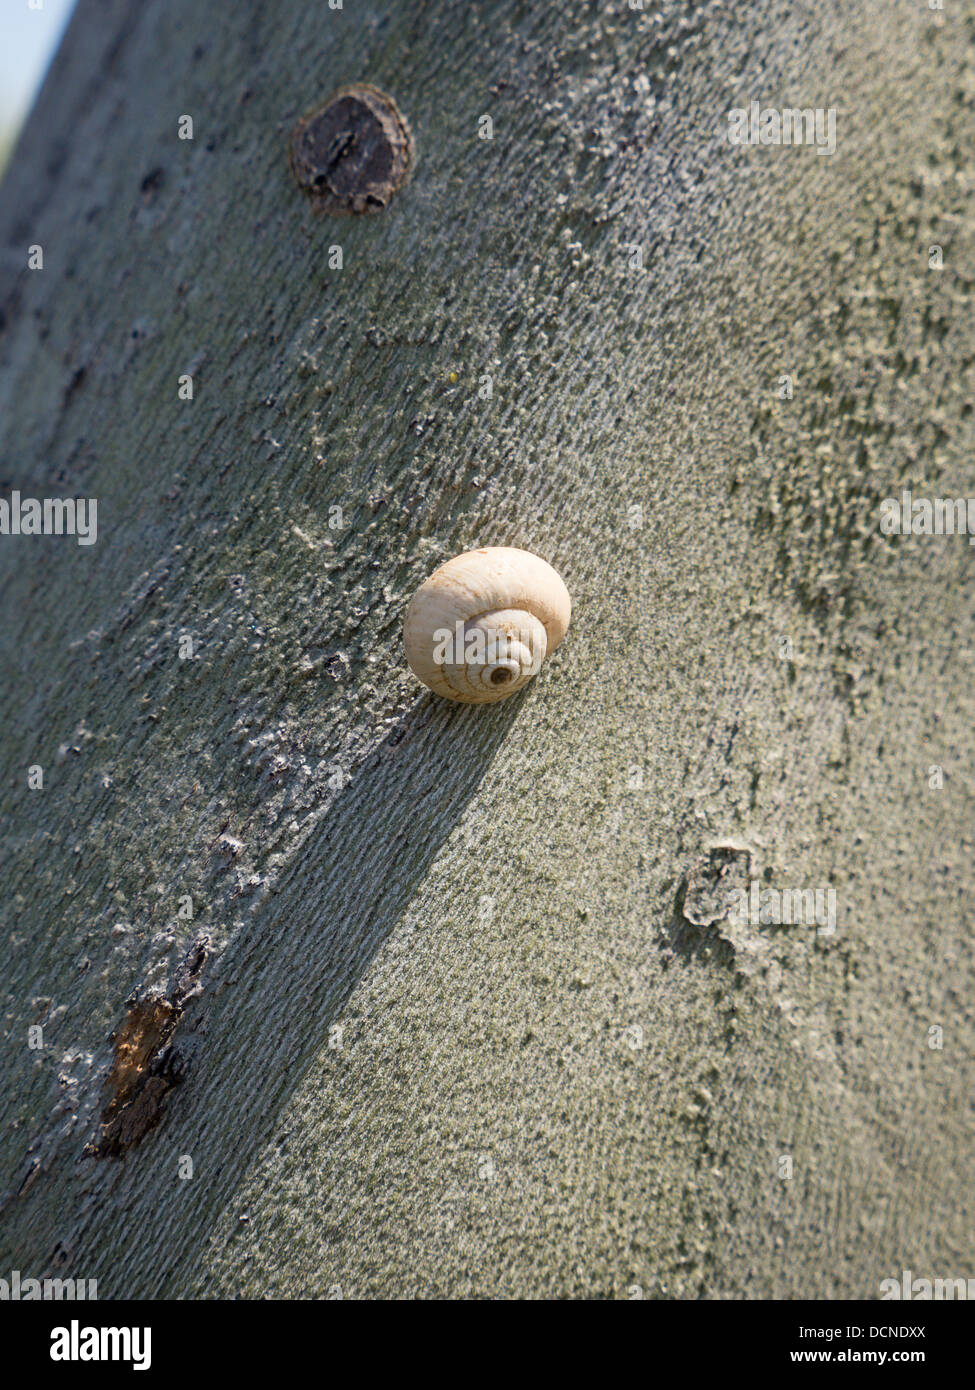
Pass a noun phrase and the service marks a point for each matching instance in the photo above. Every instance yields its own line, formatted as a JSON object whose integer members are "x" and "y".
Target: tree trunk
{"x": 463, "y": 1007}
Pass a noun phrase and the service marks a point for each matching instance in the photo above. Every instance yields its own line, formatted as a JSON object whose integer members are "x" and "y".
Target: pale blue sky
{"x": 28, "y": 40}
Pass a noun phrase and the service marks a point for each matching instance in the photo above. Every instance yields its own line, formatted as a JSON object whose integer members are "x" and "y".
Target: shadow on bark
{"x": 259, "y": 1023}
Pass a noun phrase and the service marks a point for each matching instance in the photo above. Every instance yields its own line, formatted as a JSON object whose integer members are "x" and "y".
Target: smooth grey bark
{"x": 452, "y": 1016}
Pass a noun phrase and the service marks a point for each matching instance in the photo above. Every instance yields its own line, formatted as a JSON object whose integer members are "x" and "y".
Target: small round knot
{"x": 353, "y": 153}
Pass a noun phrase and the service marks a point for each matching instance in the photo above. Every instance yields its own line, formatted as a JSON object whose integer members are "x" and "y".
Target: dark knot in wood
{"x": 353, "y": 153}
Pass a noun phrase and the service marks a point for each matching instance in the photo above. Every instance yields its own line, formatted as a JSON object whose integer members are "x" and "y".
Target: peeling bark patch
{"x": 147, "y": 1027}
{"x": 353, "y": 153}
{"x": 144, "y": 1071}
{"x": 705, "y": 896}
{"x": 146, "y": 1066}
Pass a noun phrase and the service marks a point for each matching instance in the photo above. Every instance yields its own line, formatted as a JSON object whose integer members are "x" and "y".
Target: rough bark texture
{"x": 451, "y": 1016}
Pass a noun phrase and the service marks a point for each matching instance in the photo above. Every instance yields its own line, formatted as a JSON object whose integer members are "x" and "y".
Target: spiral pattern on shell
{"x": 480, "y": 627}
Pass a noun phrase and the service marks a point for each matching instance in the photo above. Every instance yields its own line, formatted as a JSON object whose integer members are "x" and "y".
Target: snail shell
{"x": 480, "y": 627}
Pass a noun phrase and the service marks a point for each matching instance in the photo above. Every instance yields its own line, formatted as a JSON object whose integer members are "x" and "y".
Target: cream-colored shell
{"x": 482, "y": 624}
